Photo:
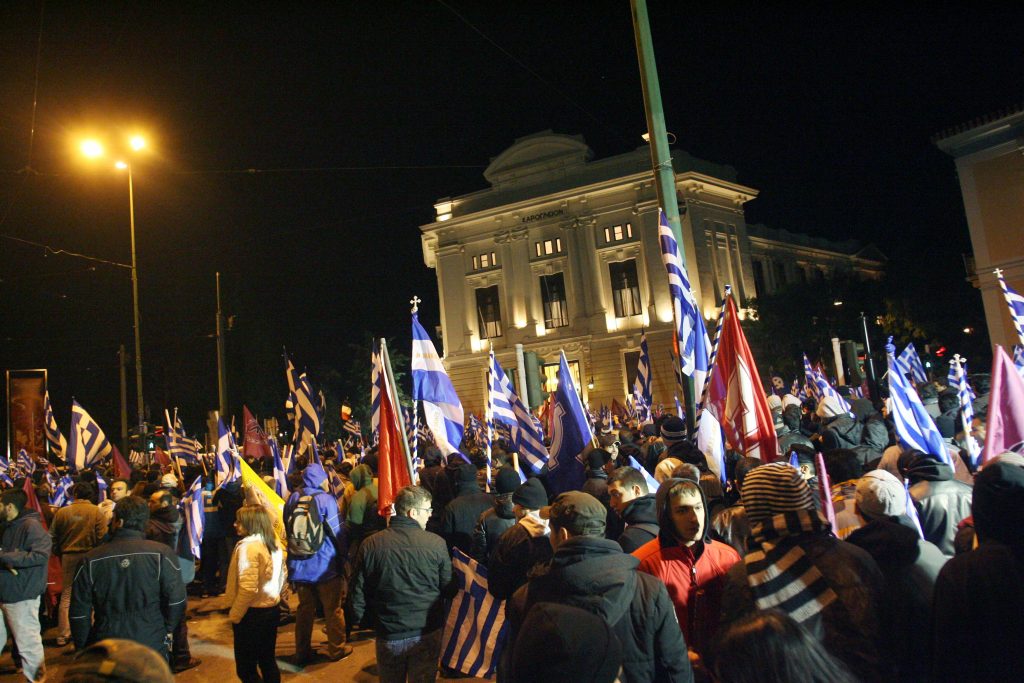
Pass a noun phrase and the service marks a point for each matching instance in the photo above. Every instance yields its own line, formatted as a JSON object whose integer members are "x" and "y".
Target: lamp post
{"x": 94, "y": 149}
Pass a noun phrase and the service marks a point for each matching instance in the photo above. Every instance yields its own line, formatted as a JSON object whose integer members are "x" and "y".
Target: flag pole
{"x": 393, "y": 394}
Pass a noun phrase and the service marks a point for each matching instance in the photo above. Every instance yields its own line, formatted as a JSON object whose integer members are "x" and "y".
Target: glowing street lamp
{"x": 93, "y": 149}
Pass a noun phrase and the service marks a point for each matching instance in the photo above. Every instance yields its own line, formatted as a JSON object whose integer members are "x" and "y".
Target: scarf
{"x": 780, "y": 574}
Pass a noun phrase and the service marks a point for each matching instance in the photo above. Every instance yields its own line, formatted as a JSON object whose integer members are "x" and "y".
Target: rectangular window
{"x": 551, "y": 376}
{"x": 780, "y": 275}
{"x": 618, "y": 233}
{"x": 485, "y": 260}
{"x": 552, "y": 292}
{"x": 758, "y": 278}
{"x": 625, "y": 288}
{"x": 488, "y": 311}
{"x": 548, "y": 247}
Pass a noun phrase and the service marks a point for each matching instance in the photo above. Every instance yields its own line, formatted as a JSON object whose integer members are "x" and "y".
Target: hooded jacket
{"x": 594, "y": 574}
{"x": 941, "y": 501}
{"x": 363, "y": 518}
{"x": 491, "y": 525}
{"x": 694, "y": 575}
{"x": 523, "y": 547}
{"x": 979, "y": 595}
{"x": 910, "y": 566}
{"x": 326, "y": 563}
{"x": 24, "y": 547}
{"x": 641, "y": 518}
{"x": 841, "y": 432}
{"x": 461, "y": 514}
{"x": 164, "y": 526}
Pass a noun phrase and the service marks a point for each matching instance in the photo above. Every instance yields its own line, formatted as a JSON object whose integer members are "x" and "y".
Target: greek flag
{"x": 101, "y": 487}
{"x": 822, "y": 387}
{"x": 957, "y": 367}
{"x": 910, "y": 363}
{"x": 280, "y": 475}
{"x": 652, "y": 483}
{"x": 195, "y": 515}
{"x": 692, "y": 336}
{"x": 508, "y": 409}
{"x": 88, "y": 444}
{"x": 53, "y": 435}
{"x": 179, "y": 445}
{"x": 431, "y": 385}
{"x": 308, "y": 417}
{"x": 26, "y": 462}
{"x": 1015, "y": 302}
{"x": 227, "y": 461}
{"x": 914, "y": 426}
{"x": 375, "y": 388}
{"x": 354, "y": 428}
{"x": 642, "y": 383}
{"x": 809, "y": 382}
{"x": 475, "y": 430}
{"x": 475, "y": 632}
{"x": 61, "y": 490}
{"x": 570, "y": 434}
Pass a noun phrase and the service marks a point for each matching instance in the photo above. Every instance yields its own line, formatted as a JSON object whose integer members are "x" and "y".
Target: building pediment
{"x": 533, "y": 157}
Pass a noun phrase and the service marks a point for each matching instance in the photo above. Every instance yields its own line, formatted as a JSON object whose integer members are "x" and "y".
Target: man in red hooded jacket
{"x": 687, "y": 561}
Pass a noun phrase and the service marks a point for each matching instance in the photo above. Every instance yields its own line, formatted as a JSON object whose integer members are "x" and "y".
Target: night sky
{"x": 297, "y": 151}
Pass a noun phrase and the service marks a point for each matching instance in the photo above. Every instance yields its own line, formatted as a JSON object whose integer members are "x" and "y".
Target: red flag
{"x": 122, "y": 470}
{"x": 256, "y": 444}
{"x": 1005, "y": 425}
{"x": 160, "y": 456}
{"x": 54, "y": 576}
{"x": 392, "y": 469}
{"x": 736, "y": 395}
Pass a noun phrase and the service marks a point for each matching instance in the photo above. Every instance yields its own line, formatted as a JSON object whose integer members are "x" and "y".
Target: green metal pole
{"x": 661, "y": 157}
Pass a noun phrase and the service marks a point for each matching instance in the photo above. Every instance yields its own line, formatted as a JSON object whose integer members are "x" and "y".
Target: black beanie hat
{"x": 531, "y": 495}
{"x": 506, "y": 481}
{"x": 998, "y": 503}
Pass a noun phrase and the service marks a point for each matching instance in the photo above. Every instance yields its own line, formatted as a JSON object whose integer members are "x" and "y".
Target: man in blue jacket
{"x": 24, "y": 554}
{"x": 316, "y": 557}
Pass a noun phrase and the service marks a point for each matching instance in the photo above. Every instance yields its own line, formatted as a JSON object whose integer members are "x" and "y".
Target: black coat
{"x": 131, "y": 588}
{"x": 640, "y": 511}
{"x": 461, "y": 514}
{"x": 515, "y": 556}
{"x": 491, "y": 525}
{"x": 25, "y": 547}
{"x": 401, "y": 576}
{"x": 594, "y": 574}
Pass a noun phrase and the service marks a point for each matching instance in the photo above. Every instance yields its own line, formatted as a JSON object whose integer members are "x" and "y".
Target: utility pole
{"x": 661, "y": 157}
{"x": 222, "y": 381}
{"x": 122, "y": 362}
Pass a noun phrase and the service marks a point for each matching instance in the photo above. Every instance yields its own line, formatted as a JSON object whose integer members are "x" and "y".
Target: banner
{"x": 26, "y": 412}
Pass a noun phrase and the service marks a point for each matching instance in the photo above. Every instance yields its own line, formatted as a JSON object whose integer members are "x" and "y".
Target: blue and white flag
{"x": 570, "y": 435}
{"x": 53, "y": 435}
{"x": 442, "y": 408}
{"x": 910, "y": 363}
{"x": 180, "y": 445}
{"x": 1015, "y": 302}
{"x": 957, "y": 367}
{"x": 809, "y": 382}
{"x": 227, "y": 461}
{"x": 508, "y": 409}
{"x": 475, "y": 631}
{"x": 61, "y": 495}
{"x": 101, "y": 487}
{"x": 691, "y": 333}
{"x": 26, "y": 462}
{"x": 652, "y": 483}
{"x": 914, "y": 426}
{"x": 87, "y": 444}
{"x": 376, "y": 384}
{"x": 821, "y": 387}
{"x": 642, "y": 383}
{"x": 280, "y": 475}
{"x": 195, "y": 516}
{"x": 308, "y": 418}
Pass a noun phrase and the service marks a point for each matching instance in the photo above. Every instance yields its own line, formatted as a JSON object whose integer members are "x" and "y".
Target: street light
{"x": 94, "y": 149}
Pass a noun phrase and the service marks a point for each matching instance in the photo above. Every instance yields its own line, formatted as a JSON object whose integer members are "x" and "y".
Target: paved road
{"x": 210, "y": 639}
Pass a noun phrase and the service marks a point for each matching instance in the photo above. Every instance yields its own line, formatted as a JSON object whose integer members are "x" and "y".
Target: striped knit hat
{"x": 673, "y": 430}
{"x": 775, "y": 488}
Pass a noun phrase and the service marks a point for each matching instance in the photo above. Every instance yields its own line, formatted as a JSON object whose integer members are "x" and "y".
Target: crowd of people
{"x": 659, "y": 568}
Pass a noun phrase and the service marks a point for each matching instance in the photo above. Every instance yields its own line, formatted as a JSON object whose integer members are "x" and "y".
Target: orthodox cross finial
{"x": 998, "y": 272}
{"x": 415, "y": 301}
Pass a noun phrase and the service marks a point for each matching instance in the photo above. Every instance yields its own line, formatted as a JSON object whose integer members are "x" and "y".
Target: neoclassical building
{"x": 561, "y": 253}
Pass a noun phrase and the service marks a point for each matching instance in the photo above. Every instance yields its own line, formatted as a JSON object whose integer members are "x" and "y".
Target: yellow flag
{"x": 252, "y": 479}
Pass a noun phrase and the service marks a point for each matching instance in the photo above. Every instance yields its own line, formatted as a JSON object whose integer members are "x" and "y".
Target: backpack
{"x": 305, "y": 528}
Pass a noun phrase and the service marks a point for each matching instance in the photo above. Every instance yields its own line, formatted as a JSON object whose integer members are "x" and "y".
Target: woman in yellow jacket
{"x": 255, "y": 578}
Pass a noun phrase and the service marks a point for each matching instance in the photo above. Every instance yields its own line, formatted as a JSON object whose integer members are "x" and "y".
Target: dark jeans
{"x": 255, "y": 643}
{"x": 180, "y": 653}
{"x": 215, "y": 556}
